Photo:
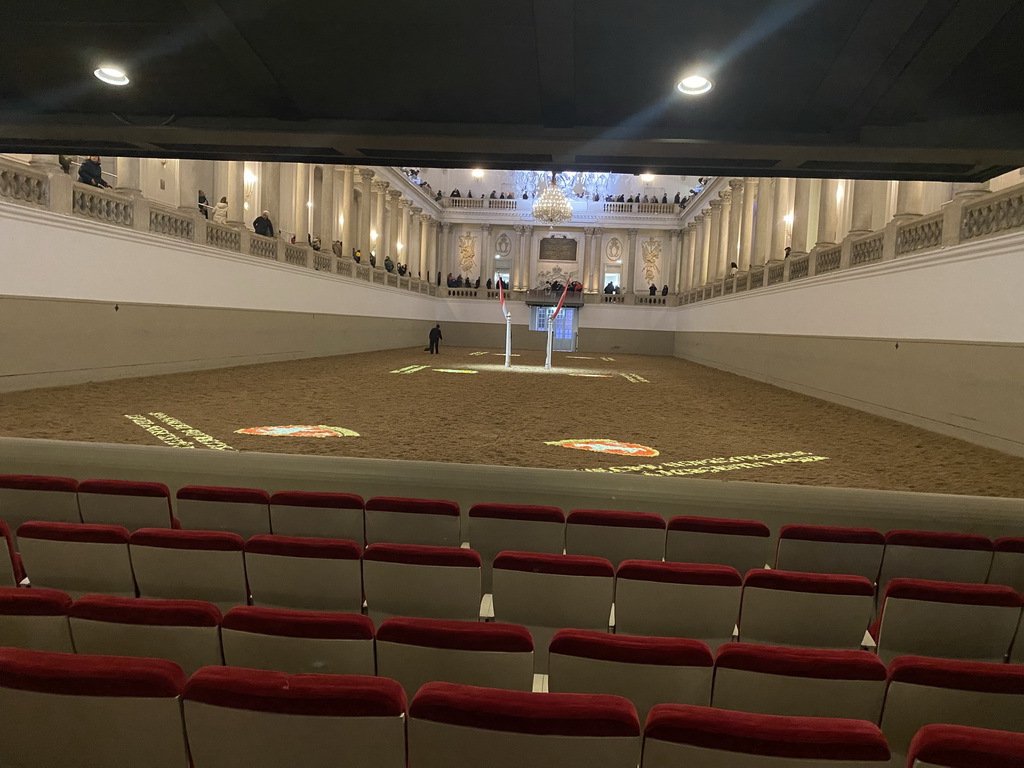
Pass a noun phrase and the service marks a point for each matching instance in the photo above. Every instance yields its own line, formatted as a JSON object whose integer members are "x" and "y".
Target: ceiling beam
{"x": 554, "y": 30}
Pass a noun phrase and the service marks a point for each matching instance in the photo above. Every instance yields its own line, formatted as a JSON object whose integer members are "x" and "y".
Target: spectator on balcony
{"x": 357, "y": 255}
{"x": 476, "y": 284}
{"x": 450, "y": 280}
{"x": 220, "y": 212}
{"x": 629, "y": 199}
{"x": 64, "y": 161}
{"x": 490, "y": 283}
{"x": 677, "y": 199}
{"x": 494, "y": 194}
{"x": 469, "y": 193}
{"x": 664, "y": 198}
{"x": 262, "y": 225}
{"x": 610, "y": 288}
{"x": 438, "y": 196}
{"x": 90, "y": 172}
{"x": 646, "y": 200}
{"x": 786, "y": 255}
{"x": 664, "y": 291}
{"x": 654, "y": 290}
{"x": 621, "y": 199}
{"x": 389, "y": 265}
{"x": 733, "y": 268}
{"x": 524, "y": 196}
{"x": 203, "y": 204}
{"x": 456, "y": 193}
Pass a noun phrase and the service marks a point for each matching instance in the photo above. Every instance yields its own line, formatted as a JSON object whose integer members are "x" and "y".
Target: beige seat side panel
{"x": 412, "y": 528}
{"x": 189, "y": 647}
{"x": 317, "y": 522}
{"x": 441, "y": 592}
{"x": 37, "y": 633}
{"x": 946, "y": 630}
{"x": 696, "y": 611}
{"x": 305, "y": 583}
{"x": 741, "y": 552}
{"x": 615, "y": 544}
{"x": 79, "y": 568}
{"x": 769, "y": 694}
{"x": 830, "y": 557}
{"x": 805, "y": 619}
{"x": 298, "y": 655}
{"x": 414, "y": 665}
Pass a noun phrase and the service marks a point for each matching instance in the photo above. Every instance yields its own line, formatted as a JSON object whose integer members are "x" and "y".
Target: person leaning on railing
{"x": 90, "y": 173}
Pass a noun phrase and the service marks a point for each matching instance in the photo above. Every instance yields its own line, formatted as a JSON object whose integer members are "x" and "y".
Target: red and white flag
{"x": 561, "y": 301}
{"x": 501, "y": 297}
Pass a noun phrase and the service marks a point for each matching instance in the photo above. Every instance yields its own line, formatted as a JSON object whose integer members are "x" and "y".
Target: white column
{"x": 236, "y": 192}
{"x": 379, "y": 204}
{"x": 828, "y": 213}
{"x": 50, "y": 161}
{"x": 630, "y": 261}
{"x": 432, "y": 269}
{"x": 864, "y": 194}
{"x": 328, "y": 217}
{"x": 518, "y": 247}
{"x": 967, "y": 189}
{"x": 909, "y": 199}
{"x": 301, "y": 198}
{"x": 270, "y": 192}
{"x": 723, "y": 235}
{"x": 418, "y": 248}
{"x": 404, "y": 232}
{"x": 747, "y": 224}
{"x": 452, "y": 250}
{"x": 395, "y": 202}
{"x": 672, "y": 261}
{"x": 763, "y": 224}
{"x": 781, "y": 209}
{"x": 362, "y": 242}
{"x": 691, "y": 245}
{"x": 802, "y": 213}
{"x": 129, "y": 175}
{"x": 698, "y": 250}
{"x": 588, "y": 257}
{"x": 735, "y": 224}
{"x": 596, "y": 271}
{"x": 346, "y": 207}
{"x": 188, "y": 187}
{"x": 486, "y": 254}
{"x": 714, "y": 238}
{"x": 526, "y": 271}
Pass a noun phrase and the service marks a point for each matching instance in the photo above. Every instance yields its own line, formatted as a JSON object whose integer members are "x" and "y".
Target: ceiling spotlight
{"x": 694, "y": 85}
{"x": 478, "y": 173}
{"x": 111, "y": 76}
{"x": 647, "y": 177}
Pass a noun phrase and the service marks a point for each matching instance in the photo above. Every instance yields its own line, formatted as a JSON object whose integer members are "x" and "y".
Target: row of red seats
{"x": 120, "y": 712}
{"x": 545, "y": 592}
{"x": 491, "y": 528}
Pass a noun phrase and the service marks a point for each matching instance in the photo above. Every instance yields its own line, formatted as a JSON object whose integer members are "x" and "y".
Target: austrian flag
{"x": 501, "y": 298}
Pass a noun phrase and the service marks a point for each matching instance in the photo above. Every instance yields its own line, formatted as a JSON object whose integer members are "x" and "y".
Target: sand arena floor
{"x": 702, "y": 422}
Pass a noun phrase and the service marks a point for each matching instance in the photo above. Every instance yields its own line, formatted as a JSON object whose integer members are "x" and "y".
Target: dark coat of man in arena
{"x": 435, "y": 339}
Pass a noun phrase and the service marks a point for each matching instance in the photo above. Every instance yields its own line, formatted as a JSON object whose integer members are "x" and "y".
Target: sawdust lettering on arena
{"x": 716, "y": 465}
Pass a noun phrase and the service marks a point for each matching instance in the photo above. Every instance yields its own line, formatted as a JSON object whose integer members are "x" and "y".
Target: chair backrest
{"x": 245, "y": 511}
{"x": 802, "y": 682}
{"x": 494, "y": 528}
{"x": 36, "y": 619}
{"x": 304, "y": 573}
{"x": 830, "y": 549}
{"x": 615, "y": 536}
{"x": 418, "y": 651}
{"x": 645, "y": 670}
{"x": 974, "y": 622}
{"x": 325, "y": 515}
{"x": 249, "y": 717}
{"x": 77, "y": 558}
{"x": 421, "y": 581}
{"x": 691, "y": 600}
{"x": 428, "y": 522}
{"x": 706, "y": 737}
{"x": 190, "y": 565}
{"x": 922, "y": 691}
{"x": 132, "y": 505}
{"x": 462, "y": 726}
{"x": 807, "y": 610}
{"x": 89, "y": 711}
{"x": 11, "y": 570}
{"x": 298, "y": 641}
{"x": 935, "y": 555}
{"x": 958, "y": 746}
{"x": 1008, "y": 563}
{"x": 24, "y": 498}
{"x": 183, "y": 631}
{"x": 742, "y": 544}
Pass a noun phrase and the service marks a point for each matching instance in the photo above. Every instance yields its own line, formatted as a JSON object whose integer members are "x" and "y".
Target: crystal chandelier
{"x": 552, "y": 207}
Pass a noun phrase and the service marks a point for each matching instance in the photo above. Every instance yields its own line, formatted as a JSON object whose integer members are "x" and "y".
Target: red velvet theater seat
{"x": 245, "y": 511}
{"x": 11, "y": 569}
{"x": 677, "y": 735}
{"x": 1008, "y": 563}
{"x": 802, "y": 682}
{"x": 428, "y": 522}
{"x": 494, "y": 528}
{"x": 741, "y": 544}
{"x": 36, "y": 619}
{"x": 956, "y": 746}
{"x": 129, "y": 504}
{"x": 77, "y": 558}
{"x": 974, "y": 622}
{"x": 24, "y": 498}
{"x": 298, "y": 641}
{"x": 191, "y": 565}
{"x": 421, "y": 581}
{"x": 807, "y": 610}
{"x": 461, "y": 726}
{"x": 546, "y": 593}
{"x": 418, "y": 651}
{"x": 830, "y": 549}
{"x": 241, "y": 718}
{"x": 615, "y": 536}
{"x": 939, "y": 556}
{"x": 186, "y": 632}
{"x": 323, "y": 515}
{"x": 701, "y": 602}
{"x": 60, "y": 709}
{"x": 645, "y": 670}
{"x": 305, "y": 573}
{"x": 923, "y": 691}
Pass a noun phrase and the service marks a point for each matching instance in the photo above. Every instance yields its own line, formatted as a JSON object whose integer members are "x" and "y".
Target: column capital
{"x": 395, "y": 194}
{"x": 529, "y": 229}
{"x": 405, "y": 202}
{"x": 381, "y": 186}
{"x": 598, "y": 230}
{"x": 698, "y": 219}
{"x": 692, "y": 225}
{"x": 446, "y": 226}
{"x": 415, "y": 210}
{"x": 676, "y": 232}
{"x": 725, "y": 195}
{"x": 632, "y": 232}
{"x": 735, "y": 184}
{"x": 588, "y": 231}
{"x": 519, "y": 228}
{"x": 366, "y": 173}
{"x": 714, "y": 205}
{"x": 485, "y": 228}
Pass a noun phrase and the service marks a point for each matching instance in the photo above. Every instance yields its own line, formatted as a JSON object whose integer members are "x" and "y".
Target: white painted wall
{"x": 970, "y": 292}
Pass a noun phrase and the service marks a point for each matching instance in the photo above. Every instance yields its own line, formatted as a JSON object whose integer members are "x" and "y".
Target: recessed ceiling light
{"x": 111, "y": 75}
{"x": 478, "y": 173}
{"x": 694, "y": 85}
{"x": 647, "y": 177}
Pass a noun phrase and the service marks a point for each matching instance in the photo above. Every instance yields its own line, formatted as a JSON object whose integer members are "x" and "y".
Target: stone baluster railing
{"x": 24, "y": 184}
{"x": 101, "y": 205}
{"x": 172, "y": 223}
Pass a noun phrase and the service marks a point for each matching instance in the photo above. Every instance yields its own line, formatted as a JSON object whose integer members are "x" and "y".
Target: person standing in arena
{"x": 435, "y": 339}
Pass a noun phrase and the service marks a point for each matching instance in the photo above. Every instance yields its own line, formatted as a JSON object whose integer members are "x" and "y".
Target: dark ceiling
{"x": 927, "y": 89}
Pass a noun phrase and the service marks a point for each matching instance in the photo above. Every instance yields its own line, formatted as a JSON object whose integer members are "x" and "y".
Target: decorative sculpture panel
{"x": 651, "y": 256}
{"x": 614, "y": 250}
{"x": 503, "y": 246}
{"x": 467, "y": 252}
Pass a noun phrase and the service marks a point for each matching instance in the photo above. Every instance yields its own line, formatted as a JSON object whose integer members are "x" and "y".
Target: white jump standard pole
{"x": 551, "y": 336}
{"x": 508, "y": 340}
